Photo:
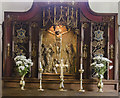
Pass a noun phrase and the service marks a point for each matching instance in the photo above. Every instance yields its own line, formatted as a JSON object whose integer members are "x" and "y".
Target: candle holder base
{"x": 63, "y": 90}
{"x": 41, "y": 90}
{"x": 23, "y": 89}
{"x": 81, "y": 90}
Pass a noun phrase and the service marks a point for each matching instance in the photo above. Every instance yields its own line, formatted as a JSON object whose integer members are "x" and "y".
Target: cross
{"x": 61, "y": 65}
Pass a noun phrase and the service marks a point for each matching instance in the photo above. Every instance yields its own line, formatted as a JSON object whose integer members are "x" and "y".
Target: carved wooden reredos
{"x": 55, "y": 31}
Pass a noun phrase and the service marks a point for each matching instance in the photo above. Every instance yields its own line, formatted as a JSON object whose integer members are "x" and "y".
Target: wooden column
{"x": 13, "y": 35}
{"x": 91, "y": 49}
{"x": 30, "y": 45}
{"x": 116, "y": 50}
{"x": 108, "y": 44}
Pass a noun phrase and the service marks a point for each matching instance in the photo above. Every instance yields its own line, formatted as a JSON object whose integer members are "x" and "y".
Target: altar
{"x": 51, "y": 32}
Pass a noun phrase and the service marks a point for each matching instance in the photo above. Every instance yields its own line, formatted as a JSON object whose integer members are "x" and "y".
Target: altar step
{"x": 52, "y": 76}
{"x": 52, "y": 81}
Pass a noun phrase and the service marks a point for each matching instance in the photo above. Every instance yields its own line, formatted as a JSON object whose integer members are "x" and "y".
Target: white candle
{"x": 81, "y": 66}
{"x": 61, "y": 70}
{"x": 40, "y": 65}
{"x": 61, "y": 65}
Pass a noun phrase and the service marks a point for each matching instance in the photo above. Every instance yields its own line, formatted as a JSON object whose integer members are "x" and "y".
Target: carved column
{"x": 1, "y": 13}
{"x": 30, "y": 45}
{"x": 108, "y": 43}
{"x": 7, "y": 47}
{"x": 13, "y": 32}
{"x": 34, "y": 48}
{"x": 1, "y": 59}
{"x": 116, "y": 50}
{"x": 91, "y": 49}
{"x": 39, "y": 51}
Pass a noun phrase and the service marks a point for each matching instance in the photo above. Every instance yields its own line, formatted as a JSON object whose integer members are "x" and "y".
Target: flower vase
{"x": 22, "y": 82}
{"x": 100, "y": 85}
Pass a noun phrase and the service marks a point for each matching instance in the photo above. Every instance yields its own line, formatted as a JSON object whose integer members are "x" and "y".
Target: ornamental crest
{"x": 21, "y": 33}
{"x": 98, "y": 35}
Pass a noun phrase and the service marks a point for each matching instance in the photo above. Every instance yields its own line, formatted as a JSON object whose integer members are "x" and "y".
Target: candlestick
{"x": 81, "y": 87}
{"x": 41, "y": 71}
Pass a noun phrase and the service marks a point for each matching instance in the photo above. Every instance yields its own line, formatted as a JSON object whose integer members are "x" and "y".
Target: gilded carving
{"x": 64, "y": 15}
{"x": 8, "y": 50}
{"x": 19, "y": 50}
{"x": 98, "y": 40}
{"x": 58, "y": 43}
{"x": 111, "y": 51}
{"x": 33, "y": 52}
{"x": 85, "y": 51}
{"x": 20, "y": 39}
{"x": 109, "y": 19}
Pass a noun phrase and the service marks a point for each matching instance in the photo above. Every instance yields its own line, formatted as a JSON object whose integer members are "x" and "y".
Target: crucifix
{"x": 61, "y": 65}
{"x": 58, "y": 32}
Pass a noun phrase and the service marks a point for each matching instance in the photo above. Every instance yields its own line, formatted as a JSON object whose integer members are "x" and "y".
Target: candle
{"x": 61, "y": 70}
{"x": 81, "y": 66}
{"x": 61, "y": 65}
{"x": 40, "y": 65}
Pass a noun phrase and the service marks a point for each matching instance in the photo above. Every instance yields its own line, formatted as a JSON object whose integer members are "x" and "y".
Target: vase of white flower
{"x": 100, "y": 84}
{"x": 23, "y": 67}
{"x": 22, "y": 82}
{"x": 100, "y": 67}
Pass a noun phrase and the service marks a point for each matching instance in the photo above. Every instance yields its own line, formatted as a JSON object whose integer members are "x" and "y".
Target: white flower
{"x": 17, "y": 57}
{"x": 97, "y": 58}
{"x": 96, "y": 74}
{"x": 94, "y": 63}
{"x": 101, "y": 76}
{"x": 18, "y": 62}
{"x": 25, "y": 61}
{"x": 22, "y": 67}
{"x": 106, "y": 59}
{"x": 99, "y": 65}
{"x": 26, "y": 65}
{"x": 110, "y": 67}
{"x": 23, "y": 57}
{"x": 31, "y": 63}
{"x": 29, "y": 60}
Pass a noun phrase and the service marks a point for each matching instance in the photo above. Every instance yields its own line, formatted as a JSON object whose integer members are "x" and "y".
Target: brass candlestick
{"x": 41, "y": 71}
{"x": 81, "y": 87}
{"x": 62, "y": 84}
{"x": 62, "y": 76}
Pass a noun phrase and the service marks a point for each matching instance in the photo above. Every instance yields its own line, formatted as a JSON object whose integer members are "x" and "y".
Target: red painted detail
{"x": 112, "y": 40}
{"x": 28, "y": 15}
{"x": 84, "y": 6}
{"x": 8, "y": 61}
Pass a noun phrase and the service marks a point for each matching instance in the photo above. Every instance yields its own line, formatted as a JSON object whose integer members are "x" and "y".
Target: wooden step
{"x": 57, "y": 76}
{"x": 88, "y": 84}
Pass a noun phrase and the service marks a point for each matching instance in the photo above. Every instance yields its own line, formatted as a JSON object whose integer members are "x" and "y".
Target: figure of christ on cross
{"x": 58, "y": 32}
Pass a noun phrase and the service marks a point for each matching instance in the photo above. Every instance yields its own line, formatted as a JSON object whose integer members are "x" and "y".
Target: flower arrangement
{"x": 100, "y": 65}
{"x": 23, "y": 64}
